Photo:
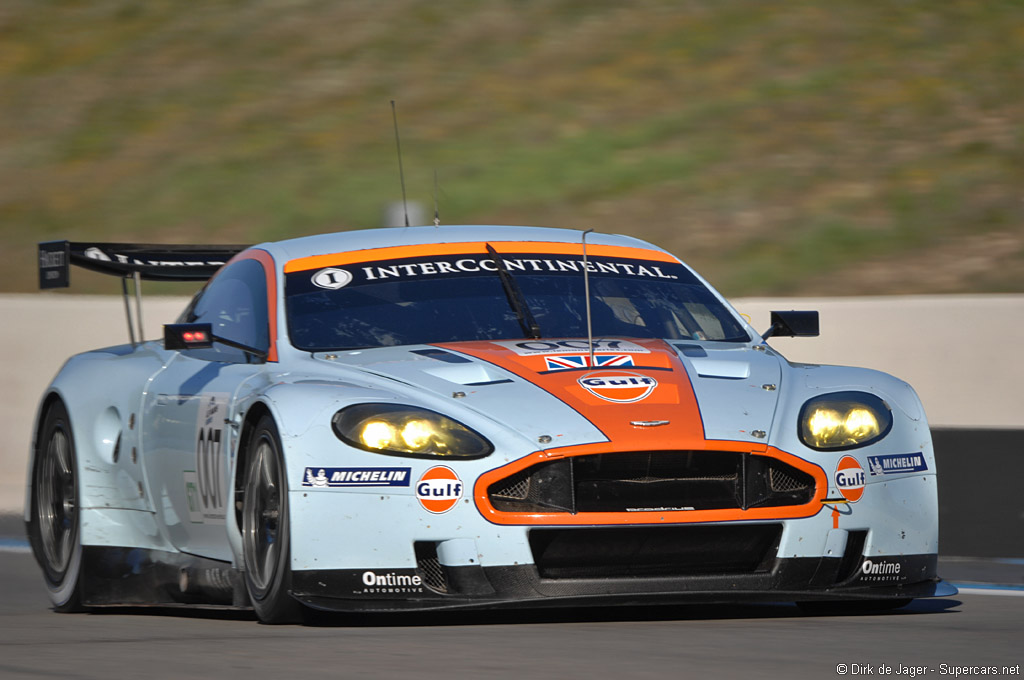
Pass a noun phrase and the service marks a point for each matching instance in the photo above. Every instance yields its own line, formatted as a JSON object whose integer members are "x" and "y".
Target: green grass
{"x": 778, "y": 147}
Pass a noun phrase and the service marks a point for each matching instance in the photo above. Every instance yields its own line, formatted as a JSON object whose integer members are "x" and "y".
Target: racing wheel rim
{"x": 56, "y": 508}
{"x": 261, "y": 521}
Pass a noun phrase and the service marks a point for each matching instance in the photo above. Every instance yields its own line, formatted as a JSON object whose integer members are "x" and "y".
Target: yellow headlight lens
{"x": 417, "y": 434}
{"x": 844, "y": 420}
{"x": 824, "y": 423}
{"x": 407, "y": 430}
{"x": 377, "y": 434}
{"x": 861, "y": 424}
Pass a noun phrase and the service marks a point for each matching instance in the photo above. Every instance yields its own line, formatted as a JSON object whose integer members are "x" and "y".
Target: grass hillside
{"x": 780, "y": 147}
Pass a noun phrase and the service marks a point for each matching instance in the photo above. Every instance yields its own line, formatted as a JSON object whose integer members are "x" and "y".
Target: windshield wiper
{"x": 515, "y": 297}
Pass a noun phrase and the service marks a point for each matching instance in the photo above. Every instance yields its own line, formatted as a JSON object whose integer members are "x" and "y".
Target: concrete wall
{"x": 39, "y": 332}
{"x": 961, "y": 353}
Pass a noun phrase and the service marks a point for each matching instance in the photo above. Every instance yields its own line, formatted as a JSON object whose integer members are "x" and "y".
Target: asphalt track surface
{"x": 981, "y": 627}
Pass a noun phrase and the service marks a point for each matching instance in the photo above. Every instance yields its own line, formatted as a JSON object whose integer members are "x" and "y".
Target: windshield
{"x": 452, "y": 298}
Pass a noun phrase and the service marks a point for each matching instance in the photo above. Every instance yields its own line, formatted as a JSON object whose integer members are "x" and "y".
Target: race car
{"x": 471, "y": 417}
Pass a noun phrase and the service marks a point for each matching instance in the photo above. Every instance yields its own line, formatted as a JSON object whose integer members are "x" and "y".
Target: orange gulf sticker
{"x": 439, "y": 489}
{"x": 850, "y": 479}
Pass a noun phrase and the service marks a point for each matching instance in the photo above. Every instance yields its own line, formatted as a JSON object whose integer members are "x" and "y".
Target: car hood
{"x": 640, "y": 394}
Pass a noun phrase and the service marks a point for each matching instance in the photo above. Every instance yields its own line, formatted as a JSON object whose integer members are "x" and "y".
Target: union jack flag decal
{"x": 583, "y": 361}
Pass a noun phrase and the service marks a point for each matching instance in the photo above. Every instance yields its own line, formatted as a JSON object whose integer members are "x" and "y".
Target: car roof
{"x": 365, "y": 239}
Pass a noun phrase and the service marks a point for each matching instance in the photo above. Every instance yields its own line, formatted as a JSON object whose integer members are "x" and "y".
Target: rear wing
{"x": 133, "y": 261}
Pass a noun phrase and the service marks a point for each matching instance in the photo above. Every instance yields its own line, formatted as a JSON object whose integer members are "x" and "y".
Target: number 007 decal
{"x": 205, "y": 488}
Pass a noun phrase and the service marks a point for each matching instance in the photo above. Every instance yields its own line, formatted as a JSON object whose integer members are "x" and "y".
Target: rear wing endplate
{"x": 133, "y": 261}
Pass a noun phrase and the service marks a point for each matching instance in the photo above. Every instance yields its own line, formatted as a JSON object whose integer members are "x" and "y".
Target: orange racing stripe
{"x": 671, "y": 398}
{"x": 473, "y": 248}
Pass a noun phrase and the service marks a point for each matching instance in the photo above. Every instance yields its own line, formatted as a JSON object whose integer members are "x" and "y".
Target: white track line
{"x": 991, "y": 590}
{"x": 14, "y": 548}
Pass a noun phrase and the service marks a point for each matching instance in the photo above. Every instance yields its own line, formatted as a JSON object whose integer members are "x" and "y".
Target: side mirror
{"x": 792, "y": 324}
{"x": 200, "y": 336}
{"x": 188, "y": 335}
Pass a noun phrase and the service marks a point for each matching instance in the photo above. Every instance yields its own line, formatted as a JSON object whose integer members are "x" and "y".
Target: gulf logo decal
{"x": 439, "y": 489}
{"x": 850, "y": 479}
{"x": 621, "y": 387}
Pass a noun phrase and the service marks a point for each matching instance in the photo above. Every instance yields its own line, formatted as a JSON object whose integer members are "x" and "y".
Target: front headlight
{"x": 401, "y": 430}
{"x": 844, "y": 420}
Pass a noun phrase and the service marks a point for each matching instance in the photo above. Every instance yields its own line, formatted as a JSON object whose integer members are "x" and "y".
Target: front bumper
{"x": 521, "y": 586}
{"x": 579, "y": 566}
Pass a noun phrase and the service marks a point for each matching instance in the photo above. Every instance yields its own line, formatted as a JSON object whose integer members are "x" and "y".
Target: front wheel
{"x": 265, "y": 534}
{"x": 54, "y": 522}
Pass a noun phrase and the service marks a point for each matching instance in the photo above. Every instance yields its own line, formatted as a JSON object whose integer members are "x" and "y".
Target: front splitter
{"x": 520, "y": 586}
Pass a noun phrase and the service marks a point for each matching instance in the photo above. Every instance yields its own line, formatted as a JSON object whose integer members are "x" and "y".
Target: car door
{"x": 194, "y": 408}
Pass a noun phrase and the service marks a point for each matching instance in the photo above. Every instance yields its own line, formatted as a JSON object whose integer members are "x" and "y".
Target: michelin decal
{"x": 894, "y": 464}
{"x": 333, "y": 478}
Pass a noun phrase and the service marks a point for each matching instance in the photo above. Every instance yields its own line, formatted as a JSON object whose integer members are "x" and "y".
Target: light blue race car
{"x": 454, "y": 417}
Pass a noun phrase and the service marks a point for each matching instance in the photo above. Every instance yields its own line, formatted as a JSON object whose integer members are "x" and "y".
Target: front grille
{"x": 650, "y": 552}
{"x": 655, "y": 480}
{"x": 780, "y": 480}
{"x": 517, "y": 487}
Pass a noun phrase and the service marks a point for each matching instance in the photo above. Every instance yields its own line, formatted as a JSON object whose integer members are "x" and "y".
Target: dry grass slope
{"x": 793, "y": 148}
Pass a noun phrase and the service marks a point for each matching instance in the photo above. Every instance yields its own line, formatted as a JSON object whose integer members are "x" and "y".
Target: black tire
{"x": 266, "y": 542}
{"x": 851, "y": 607}
{"x": 54, "y": 524}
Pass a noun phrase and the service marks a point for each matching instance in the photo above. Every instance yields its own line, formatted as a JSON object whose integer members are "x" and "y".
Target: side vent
{"x": 852, "y": 556}
{"x": 429, "y": 567}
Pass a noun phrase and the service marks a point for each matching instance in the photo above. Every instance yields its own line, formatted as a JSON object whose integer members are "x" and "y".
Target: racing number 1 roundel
{"x": 439, "y": 489}
{"x": 850, "y": 479}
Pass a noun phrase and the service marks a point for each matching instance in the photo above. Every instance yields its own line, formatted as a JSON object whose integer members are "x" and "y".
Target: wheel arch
{"x": 249, "y": 422}
{"x": 45, "y": 404}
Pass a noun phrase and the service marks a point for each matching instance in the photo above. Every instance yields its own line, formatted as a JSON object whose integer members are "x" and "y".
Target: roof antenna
{"x": 401, "y": 172}
{"x": 586, "y": 295}
{"x": 437, "y": 214}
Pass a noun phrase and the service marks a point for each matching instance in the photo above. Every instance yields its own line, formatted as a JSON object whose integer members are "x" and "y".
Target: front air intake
{"x": 646, "y": 552}
{"x": 653, "y": 481}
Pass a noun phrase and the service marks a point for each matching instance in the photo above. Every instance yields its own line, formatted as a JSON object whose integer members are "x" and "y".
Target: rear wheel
{"x": 54, "y": 524}
{"x": 265, "y": 530}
